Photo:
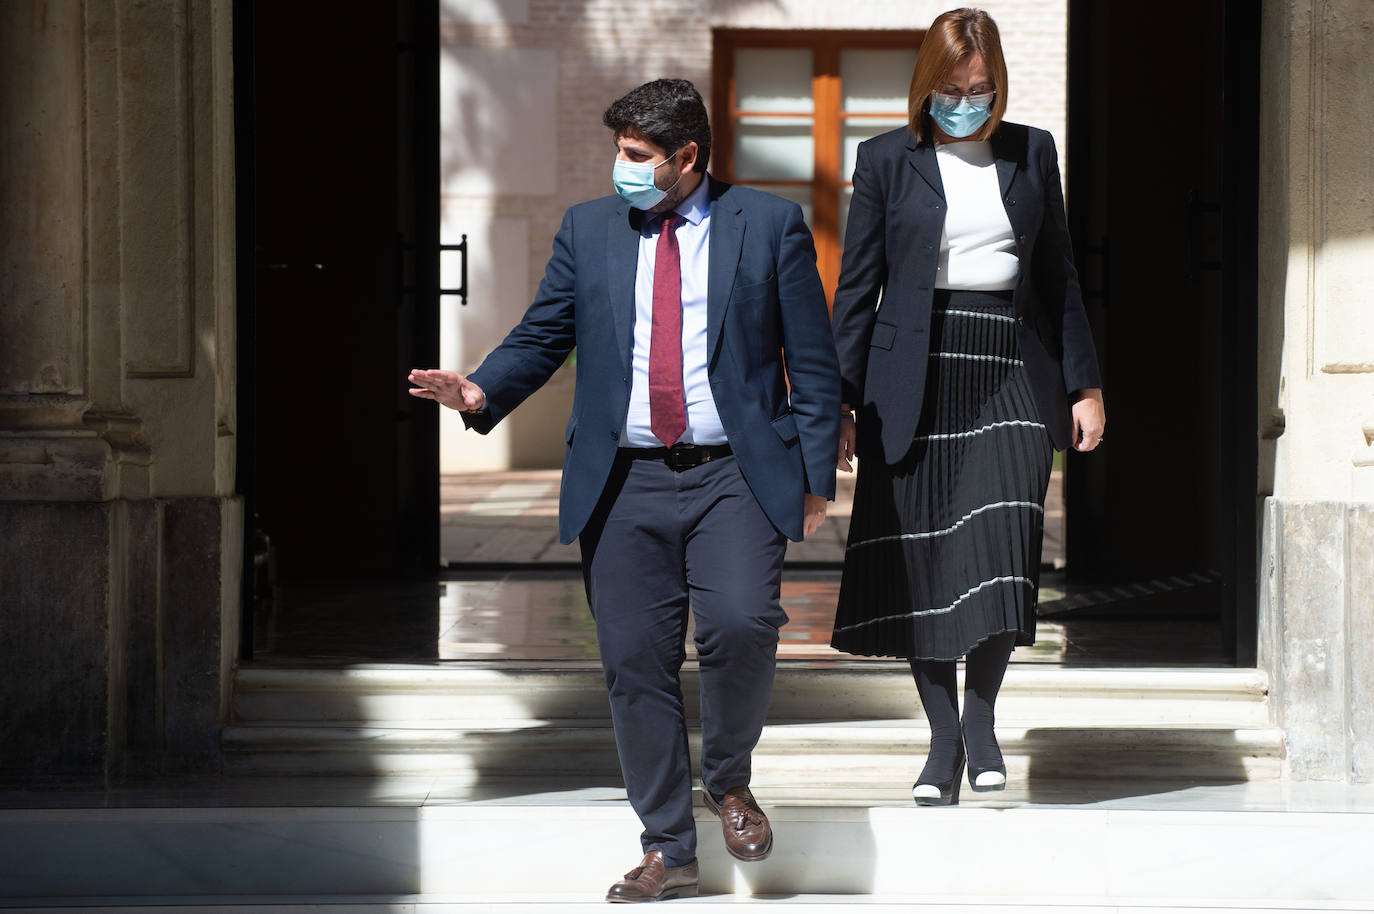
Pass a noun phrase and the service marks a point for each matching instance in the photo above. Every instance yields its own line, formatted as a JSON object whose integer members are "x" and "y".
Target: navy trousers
{"x": 659, "y": 542}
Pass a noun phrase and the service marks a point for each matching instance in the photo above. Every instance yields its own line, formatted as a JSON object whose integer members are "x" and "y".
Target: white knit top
{"x": 977, "y": 248}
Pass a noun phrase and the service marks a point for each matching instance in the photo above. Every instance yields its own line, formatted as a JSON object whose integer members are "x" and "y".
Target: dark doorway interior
{"x": 338, "y": 169}
{"x": 1163, "y": 173}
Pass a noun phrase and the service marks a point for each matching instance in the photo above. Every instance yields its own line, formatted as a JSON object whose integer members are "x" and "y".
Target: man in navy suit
{"x": 703, "y": 436}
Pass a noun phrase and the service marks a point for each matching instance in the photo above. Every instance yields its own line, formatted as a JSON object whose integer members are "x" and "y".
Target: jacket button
{"x": 615, "y": 435}
{"x": 1021, "y": 322}
{"x": 1011, "y": 203}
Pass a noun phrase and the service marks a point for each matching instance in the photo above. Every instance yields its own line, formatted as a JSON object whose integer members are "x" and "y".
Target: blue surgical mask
{"x": 634, "y": 181}
{"x": 956, "y": 115}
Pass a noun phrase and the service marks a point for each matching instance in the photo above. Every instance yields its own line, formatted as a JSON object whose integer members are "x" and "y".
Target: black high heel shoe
{"x": 986, "y": 778}
{"x": 941, "y": 793}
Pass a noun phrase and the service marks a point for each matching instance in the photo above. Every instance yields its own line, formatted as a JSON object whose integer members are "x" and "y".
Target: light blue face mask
{"x": 956, "y": 115}
{"x": 634, "y": 181}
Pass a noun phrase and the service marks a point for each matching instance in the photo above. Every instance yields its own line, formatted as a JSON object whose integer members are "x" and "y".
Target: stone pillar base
{"x": 1316, "y": 632}
{"x": 121, "y": 623}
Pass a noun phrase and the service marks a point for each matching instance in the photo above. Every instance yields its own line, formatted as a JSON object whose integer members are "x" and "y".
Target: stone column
{"x": 120, "y": 537}
{"x": 1317, "y": 381}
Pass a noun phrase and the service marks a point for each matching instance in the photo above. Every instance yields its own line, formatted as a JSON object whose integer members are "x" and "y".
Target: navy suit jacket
{"x": 764, "y": 298}
{"x": 887, "y": 284}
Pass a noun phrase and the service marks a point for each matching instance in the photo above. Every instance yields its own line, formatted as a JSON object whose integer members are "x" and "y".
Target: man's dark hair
{"x": 670, "y": 114}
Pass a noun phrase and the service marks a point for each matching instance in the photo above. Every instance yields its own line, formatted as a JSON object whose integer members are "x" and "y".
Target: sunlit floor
{"x": 534, "y": 615}
{"x": 432, "y": 791}
{"x": 512, "y": 593}
{"x": 498, "y": 519}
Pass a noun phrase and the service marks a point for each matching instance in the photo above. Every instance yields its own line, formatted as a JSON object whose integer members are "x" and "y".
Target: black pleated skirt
{"x": 944, "y": 546}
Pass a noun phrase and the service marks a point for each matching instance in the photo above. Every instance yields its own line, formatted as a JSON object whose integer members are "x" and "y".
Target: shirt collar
{"x": 697, "y": 205}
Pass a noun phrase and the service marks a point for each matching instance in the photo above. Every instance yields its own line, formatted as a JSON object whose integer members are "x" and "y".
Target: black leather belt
{"x": 679, "y": 456}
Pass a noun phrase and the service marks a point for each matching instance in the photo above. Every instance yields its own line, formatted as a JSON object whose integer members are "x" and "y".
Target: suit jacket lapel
{"x": 1010, "y": 157}
{"x": 1006, "y": 159}
{"x": 1006, "y": 173}
{"x": 726, "y": 243}
{"x": 923, "y": 160}
{"x": 622, "y": 259}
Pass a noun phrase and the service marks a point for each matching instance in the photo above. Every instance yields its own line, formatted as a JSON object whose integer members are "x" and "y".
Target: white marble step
{"x": 562, "y": 857}
{"x": 788, "y": 904}
{"x": 802, "y": 753}
{"x": 842, "y": 691}
{"x": 848, "y": 723}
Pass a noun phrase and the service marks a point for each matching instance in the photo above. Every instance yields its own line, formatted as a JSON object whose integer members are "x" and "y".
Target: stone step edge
{"x": 869, "y": 728}
{"x": 500, "y": 825}
{"x": 481, "y": 850}
{"x": 1244, "y": 684}
{"x": 588, "y": 707}
{"x": 600, "y": 811}
{"x": 837, "y": 740}
{"x": 777, "y": 904}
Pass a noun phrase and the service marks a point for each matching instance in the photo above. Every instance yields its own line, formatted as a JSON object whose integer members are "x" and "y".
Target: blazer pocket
{"x": 753, "y": 290}
{"x": 883, "y": 336}
{"x": 786, "y": 428}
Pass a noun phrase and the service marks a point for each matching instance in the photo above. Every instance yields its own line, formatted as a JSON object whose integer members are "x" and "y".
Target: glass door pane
{"x": 773, "y": 80}
{"x": 876, "y": 82}
{"x": 874, "y": 85}
{"x": 774, "y": 148}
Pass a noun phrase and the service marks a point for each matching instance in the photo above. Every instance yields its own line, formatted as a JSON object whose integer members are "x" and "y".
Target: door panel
{"x": 1157, "y": 199}
{"x": 340, "y": 469}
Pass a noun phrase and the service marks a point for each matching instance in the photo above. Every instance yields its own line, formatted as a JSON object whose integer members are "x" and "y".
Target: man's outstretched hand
{"x": 447, "y": 387}
{"x": 813, "y": 513}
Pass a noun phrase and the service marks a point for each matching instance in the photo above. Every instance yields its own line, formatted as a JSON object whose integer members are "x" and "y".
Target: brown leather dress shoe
{"x": 748, "y": 836}
{"x": 653, "y": 880}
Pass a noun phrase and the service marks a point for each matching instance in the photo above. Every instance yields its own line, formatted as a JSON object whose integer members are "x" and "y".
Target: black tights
{"x": 935, "y": 681}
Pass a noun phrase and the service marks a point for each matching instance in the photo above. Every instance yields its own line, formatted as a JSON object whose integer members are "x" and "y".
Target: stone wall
{"x": 120, "y": 538}
{"x": 1316, "y": 384}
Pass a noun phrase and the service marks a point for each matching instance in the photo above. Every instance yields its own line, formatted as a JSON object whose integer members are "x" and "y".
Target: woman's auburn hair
{"x": 952, "y": 37}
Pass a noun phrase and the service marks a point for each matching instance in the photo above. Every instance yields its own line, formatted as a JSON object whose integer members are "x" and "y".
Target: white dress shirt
{"x": 977, "y": 249}
{"x": 693, "y": 235}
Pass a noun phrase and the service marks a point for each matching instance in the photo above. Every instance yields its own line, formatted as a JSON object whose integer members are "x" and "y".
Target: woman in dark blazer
{"x": 966, "y": 354}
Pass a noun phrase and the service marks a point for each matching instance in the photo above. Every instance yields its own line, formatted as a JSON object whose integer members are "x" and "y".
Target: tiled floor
{"x": 511, "y": 518}
{"x": 531, "y": 614}
{"x": 513, "y": 593}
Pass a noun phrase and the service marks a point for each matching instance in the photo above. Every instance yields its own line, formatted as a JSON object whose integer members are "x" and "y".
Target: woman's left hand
{"x": 1089, "y": 419}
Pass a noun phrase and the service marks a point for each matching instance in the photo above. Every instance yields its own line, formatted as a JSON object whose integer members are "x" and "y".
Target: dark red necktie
{"x": 667, "y": 406}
